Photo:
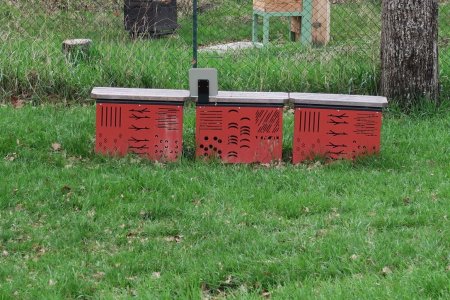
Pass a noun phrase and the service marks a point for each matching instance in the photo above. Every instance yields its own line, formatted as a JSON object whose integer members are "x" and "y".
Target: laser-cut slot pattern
{"x": 335, "y": 134}
{"x": 153, "y": 131}
{"x": 239, "y": 134}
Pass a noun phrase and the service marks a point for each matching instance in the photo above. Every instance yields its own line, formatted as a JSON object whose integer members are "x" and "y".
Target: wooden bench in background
{"x": 310, "y": 19}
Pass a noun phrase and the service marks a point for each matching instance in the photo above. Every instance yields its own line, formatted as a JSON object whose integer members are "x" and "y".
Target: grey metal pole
{"x": 194, "y": 33}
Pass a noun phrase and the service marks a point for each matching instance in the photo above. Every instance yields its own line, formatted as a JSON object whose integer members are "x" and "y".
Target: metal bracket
{"x": 196, "y": 75}
{"x": 203, "y": 91}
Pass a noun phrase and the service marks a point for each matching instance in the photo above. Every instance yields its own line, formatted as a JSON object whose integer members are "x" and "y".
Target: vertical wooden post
{"x": 255, "y": 28}
{"x": 296, "y": 28}
{"x": 317, "y": 30}
{"x": 321, "y": 22}
{"x": 306, "y": 27}
{"x": 266, "y": 29}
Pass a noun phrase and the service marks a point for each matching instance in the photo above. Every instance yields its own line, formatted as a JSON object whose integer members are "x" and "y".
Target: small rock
{"x": 176, "y": 238}
{"x": 386, "y": 271}
{"x": 354, "y": 257}
{"x": 56, "y": 147}
{"x": 11, "y": 157}
{"x": 99, "y": 275}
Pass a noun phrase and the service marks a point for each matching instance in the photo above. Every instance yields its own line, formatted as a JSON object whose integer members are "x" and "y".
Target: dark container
{"x": 151, "y": 18}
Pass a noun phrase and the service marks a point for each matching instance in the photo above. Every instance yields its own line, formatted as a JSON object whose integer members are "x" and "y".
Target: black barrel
{"x": 152, "y": 18}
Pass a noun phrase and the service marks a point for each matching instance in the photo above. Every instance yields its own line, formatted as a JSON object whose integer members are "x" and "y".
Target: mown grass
{"x": 77, "y": 225}
{"x": 32, "y": 65}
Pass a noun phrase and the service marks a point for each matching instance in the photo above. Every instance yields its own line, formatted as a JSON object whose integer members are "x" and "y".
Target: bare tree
{"x": 409, "y": 50}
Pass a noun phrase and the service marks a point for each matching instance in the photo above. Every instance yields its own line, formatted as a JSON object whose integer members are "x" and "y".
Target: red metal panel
{"x": 335, "y": 134}
{"x": 110, "y": 130}
{"x": 239, "y": 134}
{"x": 152, "y": 131}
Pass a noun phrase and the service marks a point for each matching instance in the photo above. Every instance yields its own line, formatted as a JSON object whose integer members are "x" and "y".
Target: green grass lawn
{"x": 76, "y": 225}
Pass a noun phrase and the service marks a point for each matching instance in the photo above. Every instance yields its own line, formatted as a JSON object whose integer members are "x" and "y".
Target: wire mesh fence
{"x": 293, "y": 45}
{"x": 269, "y": 45}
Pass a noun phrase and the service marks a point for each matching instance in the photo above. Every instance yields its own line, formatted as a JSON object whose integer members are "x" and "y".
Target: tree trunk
{"x": 409, "y": 50}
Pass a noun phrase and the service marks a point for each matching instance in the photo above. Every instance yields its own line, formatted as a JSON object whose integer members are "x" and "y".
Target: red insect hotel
{"x": 241, "y": 127}
{"x": 336, "y": 126}
{"x": 146, "y": 122}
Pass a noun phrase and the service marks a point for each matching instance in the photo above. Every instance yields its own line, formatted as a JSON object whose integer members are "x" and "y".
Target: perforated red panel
{"x": 335, "y": 134}
{"x": 239, "y": 134}
{"x": 152, "y": 131}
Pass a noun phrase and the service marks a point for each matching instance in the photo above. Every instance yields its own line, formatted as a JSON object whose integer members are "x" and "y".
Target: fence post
{"x": 194, "y": 33}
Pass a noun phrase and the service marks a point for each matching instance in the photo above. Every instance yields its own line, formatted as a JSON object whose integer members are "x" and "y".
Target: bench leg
{"x": 306, "y": 30}
{"x": 291, "y": 33}
{"x": 266, "y": 29}
{"x": 295, "y": 28}
{"x": 255, "y": 28}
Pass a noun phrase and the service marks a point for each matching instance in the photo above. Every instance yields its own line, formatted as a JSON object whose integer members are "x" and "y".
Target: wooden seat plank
{"x": 338, "y": 100}
{"x": 107, "y": 93}
{"x": 250, "y": 97}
